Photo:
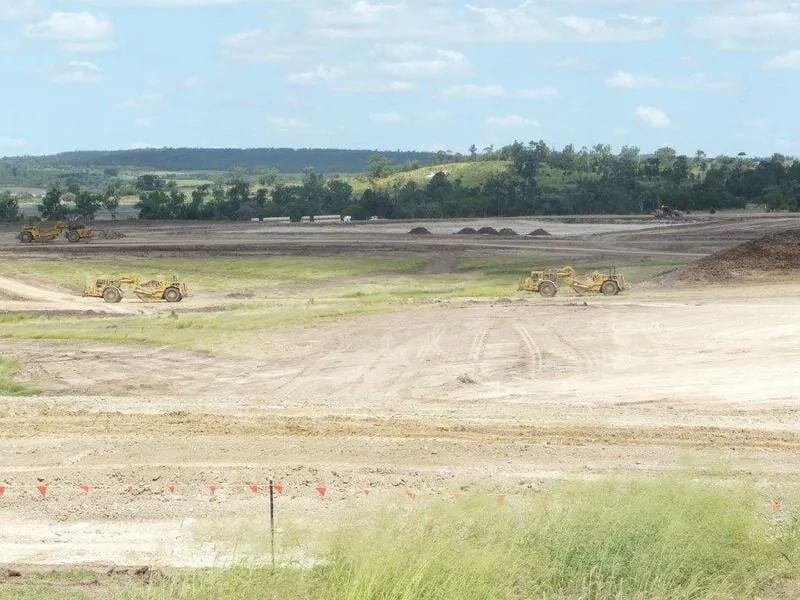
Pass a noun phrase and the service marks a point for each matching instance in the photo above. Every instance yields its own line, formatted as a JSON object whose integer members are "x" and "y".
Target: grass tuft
{"x": 8, "y": 387}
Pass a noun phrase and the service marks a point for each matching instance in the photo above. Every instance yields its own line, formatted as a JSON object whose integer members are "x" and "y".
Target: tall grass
{"x": 8, "y": 387}
{"x": 671, "y": 537}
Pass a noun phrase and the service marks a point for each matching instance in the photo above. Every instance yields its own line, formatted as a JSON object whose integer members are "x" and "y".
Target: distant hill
{"x": 285, "y": 160}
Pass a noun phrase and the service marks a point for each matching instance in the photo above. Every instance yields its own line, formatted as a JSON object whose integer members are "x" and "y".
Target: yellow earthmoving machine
{"x": 40, "y": 233}
{"x": 74, "y": 232}
{"x": 174, "y": 290}
{"x": 547, "y": 282}
{"x": 112, "y": 289}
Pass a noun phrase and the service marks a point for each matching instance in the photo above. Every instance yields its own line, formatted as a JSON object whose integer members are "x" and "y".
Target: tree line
{"x": 538, "y": 180}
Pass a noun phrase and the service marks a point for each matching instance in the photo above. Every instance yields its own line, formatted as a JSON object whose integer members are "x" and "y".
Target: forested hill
{"x": 285, "y": 160}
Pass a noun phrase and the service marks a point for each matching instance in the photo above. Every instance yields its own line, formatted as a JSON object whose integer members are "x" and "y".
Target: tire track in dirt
{"x": 531, "y": 349}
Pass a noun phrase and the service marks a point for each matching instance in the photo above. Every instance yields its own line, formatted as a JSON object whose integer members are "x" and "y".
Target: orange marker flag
{"x": 172, "y": 488}
{"x": 775, "y": 506}
{"x": 278, "y": 488}
{"x": 321, "y": 491}
{"x": 85, "y": 488}
{"x": 254, "y": 489}
{"x": 367, "y": 491}
{"x": 42, "y": 489}
{"x": 212, "y": 489}
{"x": 2, "y": 491}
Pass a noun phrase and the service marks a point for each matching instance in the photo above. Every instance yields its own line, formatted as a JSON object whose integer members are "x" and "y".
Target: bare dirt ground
{"x": 508, "y": 395}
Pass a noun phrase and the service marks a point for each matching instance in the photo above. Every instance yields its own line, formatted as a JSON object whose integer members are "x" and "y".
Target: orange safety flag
{"x": 2, "y": 491}
{"x": 42, "y": 489}
{"x": 85, "y": 488}
{"x": 278, "y": 488}
{"x": 172, "y": 488}
{"x": 321, "y": 491}
{"x": 212, "y": 489}
{"x": 254, "y": 489}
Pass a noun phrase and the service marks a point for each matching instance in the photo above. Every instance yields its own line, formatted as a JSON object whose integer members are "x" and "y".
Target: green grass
{"x": 8, "y": 387}
{"x": 217, "y": 274}
{"x": 679, "y": 536}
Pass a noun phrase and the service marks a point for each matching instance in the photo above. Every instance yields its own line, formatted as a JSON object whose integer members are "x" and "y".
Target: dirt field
{"x": 425, "y": 397}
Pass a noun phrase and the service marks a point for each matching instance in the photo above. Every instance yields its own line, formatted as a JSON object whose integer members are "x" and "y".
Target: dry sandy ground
{"x": 509, "y": 396}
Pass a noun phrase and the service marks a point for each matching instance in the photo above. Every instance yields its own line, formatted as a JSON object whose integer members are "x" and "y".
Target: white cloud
{"x": 18, "y": 10}
{"x": 747, "y": 30}
{"x": 477, "y": 91}
{"x": 392, "y": 87}
{"x": 75, "y": 32}
{"x": 385, "y": 117}
{"x": 790, "y": 60}
{"x": 286, "y": 123}
{"x": 258, "y": 45}
{"x": 512, "y": 121}
{"x": 142, "y": 122}
{"x": 498, "y": 91}
{"x": 320, "y": 75}
{"x": 360, "y": 20}
{"x": 618, "y": 29}
{"x": 624, "y": 79}
{"x": 541, "y": 93}
{"x": 652, "y": 116}
{"x": 79, "y": 73}
{"x": 423, "y": 66}
{"x": 510, "y": 25}
{"x": 162, "y": 3}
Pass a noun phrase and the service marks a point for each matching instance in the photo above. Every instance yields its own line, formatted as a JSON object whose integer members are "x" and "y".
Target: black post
{"x": 272, "y": 520}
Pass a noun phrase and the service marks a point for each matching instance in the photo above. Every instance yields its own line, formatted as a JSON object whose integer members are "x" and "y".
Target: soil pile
{"x": 108, "y": 235}
{"x": 488, "y": 231}
{"x": 775, "y": 253}
{"x": 467, "y": 231}
{"x": 419, "y": 231}
{"x": 540, "y": 231}
{"x": 507, "y": 231}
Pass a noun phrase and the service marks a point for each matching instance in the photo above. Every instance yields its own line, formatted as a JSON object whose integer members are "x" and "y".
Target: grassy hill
{"x": 472, "y": 174}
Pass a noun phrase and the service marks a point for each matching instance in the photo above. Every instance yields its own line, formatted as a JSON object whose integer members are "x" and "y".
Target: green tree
{"x": 9, "y": 207}
{"x": 380, "y": 166}
{"x": 111, "y": 202}
{"x": 87, "y": 204}
{"x": 52, "y": 208}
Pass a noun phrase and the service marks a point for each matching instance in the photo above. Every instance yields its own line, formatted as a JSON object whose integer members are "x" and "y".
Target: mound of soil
{"x": 540, "y": 231}
{"x": 488, "y": 231}
{"x": 467, "y": 231}
{"x": 507, "y": 231}
{"x": 777, "y": 253}
{"x": 419, "y": 231}
{"x": 108, "y": 235}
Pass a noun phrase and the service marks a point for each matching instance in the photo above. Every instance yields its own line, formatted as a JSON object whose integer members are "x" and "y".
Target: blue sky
{"x": 720, "y": 75}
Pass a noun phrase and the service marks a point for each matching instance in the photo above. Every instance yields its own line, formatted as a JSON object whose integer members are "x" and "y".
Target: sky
{"x": 718, "y": 75}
